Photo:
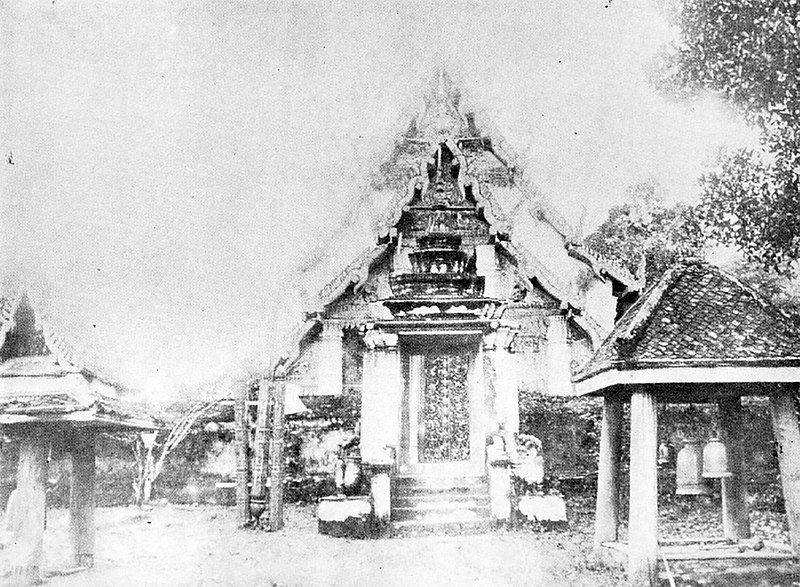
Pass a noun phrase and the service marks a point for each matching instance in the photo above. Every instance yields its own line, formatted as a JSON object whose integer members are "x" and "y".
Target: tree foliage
{"x": 644, "y": 230}
{"x": 747, "y": 52}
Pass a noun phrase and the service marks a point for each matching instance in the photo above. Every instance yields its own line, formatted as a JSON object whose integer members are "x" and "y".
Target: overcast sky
{"x": 172, "y": 159}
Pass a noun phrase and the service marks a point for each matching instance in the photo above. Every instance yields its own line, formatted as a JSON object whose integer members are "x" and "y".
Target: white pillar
{"x": 643, "y": 516}
{"x": 381, "y": 396}
{"x": 27, "y": 529}
{"x": 503, "y": 378}
{"x": 329, "y": 365}
{"x": 787, "y": 434}
{"x": 559, "y": 357}
{"x": 606, "y": 521}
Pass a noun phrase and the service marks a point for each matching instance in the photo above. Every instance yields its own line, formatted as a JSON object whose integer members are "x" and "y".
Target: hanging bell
{"x": 688, "y": 470}
{"x": 715, "y": 459}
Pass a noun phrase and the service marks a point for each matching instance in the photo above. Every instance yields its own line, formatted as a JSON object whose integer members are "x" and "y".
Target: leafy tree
{"x": 779, "y": 289}
{"x": 747, "y": 52}
{"x": 643, "y": 230}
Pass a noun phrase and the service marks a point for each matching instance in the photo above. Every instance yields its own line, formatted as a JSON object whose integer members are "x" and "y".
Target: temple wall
{"x": 600, "y": 303}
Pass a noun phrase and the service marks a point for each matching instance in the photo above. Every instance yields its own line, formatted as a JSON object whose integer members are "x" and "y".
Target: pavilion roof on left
{"x": 43, "y": 380}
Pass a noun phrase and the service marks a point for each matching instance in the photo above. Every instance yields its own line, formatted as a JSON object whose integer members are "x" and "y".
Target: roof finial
{"x": 441, "y": 118}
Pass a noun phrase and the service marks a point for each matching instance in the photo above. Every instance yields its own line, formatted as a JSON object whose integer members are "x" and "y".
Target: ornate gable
{"x": 446, "y": 179}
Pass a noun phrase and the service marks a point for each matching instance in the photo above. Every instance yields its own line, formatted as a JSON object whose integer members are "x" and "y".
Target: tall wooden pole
{"x": 242, "y": 456}
{"x": 260, "y": 450}
{"x": 735, "y": 518}
{"x": 787, "y": 435}
{"x": 607, "y": 512}
{"x": 643, "y": 517}
{"x": 276, "y": 451}
{"x": 82, "y": 498}
{"x": 25, "y": 553}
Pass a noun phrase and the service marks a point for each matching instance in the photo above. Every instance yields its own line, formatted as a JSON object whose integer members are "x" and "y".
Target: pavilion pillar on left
{"x": 25, "y": 514}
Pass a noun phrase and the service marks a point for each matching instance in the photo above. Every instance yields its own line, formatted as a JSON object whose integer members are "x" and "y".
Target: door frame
{"x": 412, "y": 349}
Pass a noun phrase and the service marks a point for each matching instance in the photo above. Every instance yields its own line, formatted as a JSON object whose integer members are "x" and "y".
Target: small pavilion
{"x": 48, "y": 397}
{"x": 696, "y": 336}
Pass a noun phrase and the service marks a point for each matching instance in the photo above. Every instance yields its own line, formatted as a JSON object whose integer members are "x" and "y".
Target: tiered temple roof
{"x": 514, "y": 210}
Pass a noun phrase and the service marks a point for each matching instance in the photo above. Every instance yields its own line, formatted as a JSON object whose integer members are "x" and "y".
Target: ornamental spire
{"x": 441, "y": 117}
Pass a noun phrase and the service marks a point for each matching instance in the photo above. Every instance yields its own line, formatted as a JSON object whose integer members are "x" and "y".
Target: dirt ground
{"x": 196, "y": 546}
{"x": 175, "y": 545}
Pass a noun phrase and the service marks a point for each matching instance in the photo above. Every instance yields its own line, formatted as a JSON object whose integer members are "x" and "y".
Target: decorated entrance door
{"x": 440, "y": 435}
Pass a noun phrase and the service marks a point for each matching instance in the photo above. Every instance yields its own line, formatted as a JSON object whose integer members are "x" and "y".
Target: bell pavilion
{"x": 468, "y": 286}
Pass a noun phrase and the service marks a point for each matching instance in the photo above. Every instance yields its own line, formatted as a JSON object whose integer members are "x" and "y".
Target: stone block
{"x": 345, "y": 517}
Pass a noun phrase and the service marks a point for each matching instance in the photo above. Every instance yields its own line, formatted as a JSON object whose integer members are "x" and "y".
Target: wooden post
{"x": 242, "y": 457}
{"x": 643, "y": 517}
{"x": 607, "y": 511}
{"x": 260, "y": 450}
{"x": 82, "y": 499}
{"x": 735, "y": 518}
{"x": 787, "y": 435}
{"x": 28, "y": 529}
{"x": 276, "y": 451}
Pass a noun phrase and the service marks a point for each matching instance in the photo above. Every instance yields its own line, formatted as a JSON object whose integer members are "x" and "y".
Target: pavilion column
{"x": 735, "y": 517}
{"x": 28, "y": 508}
{"x": 643, "y": 517}
{"x": 329, "y": 365}
{"x": 607, "y": 512}
{"x": 787, "y": 435}
{"x": 82, "y": 498}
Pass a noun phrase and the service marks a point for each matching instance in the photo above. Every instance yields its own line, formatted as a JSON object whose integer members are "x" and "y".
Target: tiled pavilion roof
{"x": 43, "y": 380}
{"x": 697, "y": 316}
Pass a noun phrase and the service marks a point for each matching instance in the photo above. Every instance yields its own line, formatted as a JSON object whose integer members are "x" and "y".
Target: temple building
{"x": 470, "y": 288}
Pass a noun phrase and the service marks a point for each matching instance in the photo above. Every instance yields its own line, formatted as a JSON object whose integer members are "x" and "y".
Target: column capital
{"x": 377, "y": 338}
{"x": 501, "y": 338}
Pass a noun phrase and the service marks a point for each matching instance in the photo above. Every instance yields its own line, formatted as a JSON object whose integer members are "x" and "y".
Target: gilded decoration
{"x": 445, "y": 413}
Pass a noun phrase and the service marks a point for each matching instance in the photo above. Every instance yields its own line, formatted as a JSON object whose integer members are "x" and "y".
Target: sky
{"x": 165, "y": 164}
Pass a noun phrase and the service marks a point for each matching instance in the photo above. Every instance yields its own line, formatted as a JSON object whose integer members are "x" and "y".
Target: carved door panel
{"x": 440, "y": 434}
{"x": 443, "y": 429}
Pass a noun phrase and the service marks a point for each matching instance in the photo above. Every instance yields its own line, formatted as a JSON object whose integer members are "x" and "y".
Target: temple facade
{"x": 471, "y": 288}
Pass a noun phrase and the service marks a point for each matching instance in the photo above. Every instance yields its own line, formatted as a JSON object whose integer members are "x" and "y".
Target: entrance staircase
{"x": 423, "y": 505}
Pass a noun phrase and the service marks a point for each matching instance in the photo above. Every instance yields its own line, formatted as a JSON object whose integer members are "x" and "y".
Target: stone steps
{"x": 408, "y": 528}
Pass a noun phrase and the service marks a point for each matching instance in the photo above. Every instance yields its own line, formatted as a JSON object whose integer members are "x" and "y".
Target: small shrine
{"x": 49, "y": 397}
{"x": 696, "y": 336}
{"x": 447, "y": 310}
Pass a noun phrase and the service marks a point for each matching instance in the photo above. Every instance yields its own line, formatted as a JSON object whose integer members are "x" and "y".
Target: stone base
{"x": 549, "y": 511}
{"x": 345, "y": 517}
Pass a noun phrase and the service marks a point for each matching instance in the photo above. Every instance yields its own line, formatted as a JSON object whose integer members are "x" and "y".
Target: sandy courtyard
{"x": 174, "y": 545}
